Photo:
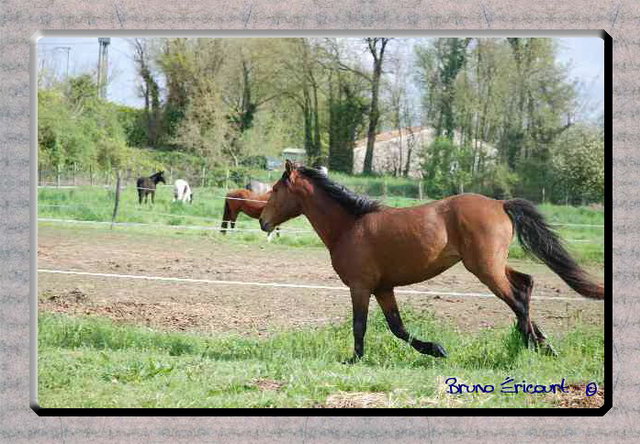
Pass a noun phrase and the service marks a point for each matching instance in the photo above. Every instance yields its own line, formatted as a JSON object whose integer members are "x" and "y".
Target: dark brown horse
{"x": 147, "y": 186}
{"x": 375, "y": 248}
{"x": 242, "y": 201}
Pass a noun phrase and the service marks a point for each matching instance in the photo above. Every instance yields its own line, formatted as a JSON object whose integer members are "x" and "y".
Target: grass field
{"x": 91, "y": 362}
{"x": 96, "y": 204}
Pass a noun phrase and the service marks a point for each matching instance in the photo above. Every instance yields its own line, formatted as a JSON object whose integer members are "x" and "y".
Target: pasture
{"x": 116, "y": 342}
{"x": 581, "y": 226}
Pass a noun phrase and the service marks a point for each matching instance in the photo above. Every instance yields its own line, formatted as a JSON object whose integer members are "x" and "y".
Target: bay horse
{"x": 147, "y": 186}
{"x": 375, "y": 248}
{"x": 243, "y": 201}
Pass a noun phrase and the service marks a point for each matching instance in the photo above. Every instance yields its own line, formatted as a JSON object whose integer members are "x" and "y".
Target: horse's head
{"x": 159, "y": 177}
{"x": 284, "y": 202}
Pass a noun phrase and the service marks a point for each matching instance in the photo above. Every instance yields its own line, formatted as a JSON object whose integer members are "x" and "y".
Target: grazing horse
{"x": 182, "y": 191}
{"x": 258, "y": 187}
{"x": 376, "y": 248}
{"x": 147, "y": 185}
{"x": 242, "y": 201}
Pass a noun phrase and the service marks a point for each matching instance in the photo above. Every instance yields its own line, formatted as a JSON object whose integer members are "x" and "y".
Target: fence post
{"x": 115, "y": 207}
{"x": 226, "y": 181}
{"x": 204, "y": 169}
{"x": 420, "y": 190}
{"x": 91, "y": 174}
{"x": 58, "y": 175}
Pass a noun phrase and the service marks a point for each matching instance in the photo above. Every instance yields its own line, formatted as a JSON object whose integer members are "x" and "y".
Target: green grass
{"x": 92, "y": 362}
{"x": 96, "y": 204}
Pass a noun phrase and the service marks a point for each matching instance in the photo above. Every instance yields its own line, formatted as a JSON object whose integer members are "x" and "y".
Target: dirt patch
{"x": 65, "y": 299}
{"x": 256, "y": 310}
{"x": 577, "y": 397}
{"x": 267, "y": 384}
{"x": 356, "y": 400}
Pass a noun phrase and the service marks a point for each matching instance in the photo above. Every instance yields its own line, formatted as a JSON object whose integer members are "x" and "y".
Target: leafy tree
{"x": 578, "y": 164}
{"x": 376, "y": 46}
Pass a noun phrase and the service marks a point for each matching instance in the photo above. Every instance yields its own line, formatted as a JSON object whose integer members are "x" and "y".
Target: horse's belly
{"x": 416, "y": 262}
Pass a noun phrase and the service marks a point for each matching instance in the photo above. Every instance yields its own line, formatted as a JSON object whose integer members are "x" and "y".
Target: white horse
{"x": 182, "y": 191}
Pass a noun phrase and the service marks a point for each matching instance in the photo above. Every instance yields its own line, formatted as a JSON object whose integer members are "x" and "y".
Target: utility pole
{"x": 103, "y": 65}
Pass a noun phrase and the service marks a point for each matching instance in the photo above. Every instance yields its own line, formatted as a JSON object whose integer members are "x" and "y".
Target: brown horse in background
{"x": 147, "y": 186}
{"x": 376, "y": 248}
{"x": 242, "y": 201}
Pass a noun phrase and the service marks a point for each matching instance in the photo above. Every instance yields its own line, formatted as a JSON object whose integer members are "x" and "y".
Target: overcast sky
{"x": 585, "y": 56}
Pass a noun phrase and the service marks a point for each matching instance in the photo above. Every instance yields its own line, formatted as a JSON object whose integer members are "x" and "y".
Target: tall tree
{"x": 376, "y": 46}
{"x": 149, "y": 89}
{"x": 347, "y": 107}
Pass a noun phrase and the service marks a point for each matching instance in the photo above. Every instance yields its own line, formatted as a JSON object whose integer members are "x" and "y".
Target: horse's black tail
{"x": 225, "y": 217}
{"x": 539, "y": 239}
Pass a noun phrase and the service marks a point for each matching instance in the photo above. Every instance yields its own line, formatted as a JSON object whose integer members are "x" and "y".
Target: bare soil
{"x": 251, "y": 310}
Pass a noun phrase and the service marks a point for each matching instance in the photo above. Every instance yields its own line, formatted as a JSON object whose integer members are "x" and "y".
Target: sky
{"x": 584, "y": 56}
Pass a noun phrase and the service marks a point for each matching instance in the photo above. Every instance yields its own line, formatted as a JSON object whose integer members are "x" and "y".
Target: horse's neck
{"x": 327, "y": 217}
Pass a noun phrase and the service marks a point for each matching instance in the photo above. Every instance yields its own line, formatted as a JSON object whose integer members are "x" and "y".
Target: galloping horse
{"x": 242, "y": 201}
{"x": 182, "y": 191}
{"x": 375, "y": 248}
{"x": 147, "y": 185}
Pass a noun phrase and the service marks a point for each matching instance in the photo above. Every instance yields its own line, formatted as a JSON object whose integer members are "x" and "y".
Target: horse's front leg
{"x": 387, "y": 301}
{"x": 153, "y": 199}
{"x": 360, "y": 303}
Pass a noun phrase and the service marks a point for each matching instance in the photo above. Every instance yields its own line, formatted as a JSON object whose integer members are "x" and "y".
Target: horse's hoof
{"x": 430, "y": 348}
{"x": 548, "y": 349}
{"x": 438, "y": 351}
{"x": 352, "y": 360}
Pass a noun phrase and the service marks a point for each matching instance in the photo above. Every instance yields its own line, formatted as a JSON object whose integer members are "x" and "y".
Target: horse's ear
{"x": 288, "y": 166}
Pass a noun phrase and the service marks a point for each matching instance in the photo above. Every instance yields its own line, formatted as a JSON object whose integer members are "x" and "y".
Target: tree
{"x": 149, "y": 90}
{"x": 347, "y": 105}
{"x": 506, "y": 102}
{"x": 376, "y": 46}
{"x": 578, "y": 164}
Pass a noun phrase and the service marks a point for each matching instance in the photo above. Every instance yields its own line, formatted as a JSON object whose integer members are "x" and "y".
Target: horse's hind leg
{"x": 387, "y": 301}
{"x": 512, "y": 287}
{"x": 522, "y": 286}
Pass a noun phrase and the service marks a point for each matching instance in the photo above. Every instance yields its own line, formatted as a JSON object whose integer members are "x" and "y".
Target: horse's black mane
{"x": 354, "y": 203}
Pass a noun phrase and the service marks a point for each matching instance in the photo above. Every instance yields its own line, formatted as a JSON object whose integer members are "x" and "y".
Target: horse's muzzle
{"x": 265, "y": 226}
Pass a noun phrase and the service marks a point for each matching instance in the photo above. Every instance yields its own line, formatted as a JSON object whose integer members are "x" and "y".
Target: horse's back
{"x": 427, "y": 239}
{"x": 258, "y": 187}
{"x": 181, "y": 184}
